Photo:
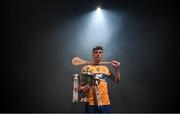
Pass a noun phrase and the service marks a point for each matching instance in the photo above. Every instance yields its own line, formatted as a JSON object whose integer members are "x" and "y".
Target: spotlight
{"x": 98, "y": 10}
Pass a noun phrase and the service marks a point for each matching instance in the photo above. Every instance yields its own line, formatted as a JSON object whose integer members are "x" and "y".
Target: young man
{"x": 99, "y": 95}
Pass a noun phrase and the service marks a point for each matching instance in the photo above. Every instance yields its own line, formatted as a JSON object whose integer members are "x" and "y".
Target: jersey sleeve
{"x": 106, "y": 71}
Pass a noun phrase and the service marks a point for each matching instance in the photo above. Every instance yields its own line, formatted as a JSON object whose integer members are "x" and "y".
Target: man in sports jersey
{"x": 97, "y": 96}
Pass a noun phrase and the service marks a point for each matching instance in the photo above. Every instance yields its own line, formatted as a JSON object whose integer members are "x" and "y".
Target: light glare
{"x": 98, "y": 10}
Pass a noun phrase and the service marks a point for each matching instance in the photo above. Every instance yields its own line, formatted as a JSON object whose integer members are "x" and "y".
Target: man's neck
{"x": 96, "y": 62}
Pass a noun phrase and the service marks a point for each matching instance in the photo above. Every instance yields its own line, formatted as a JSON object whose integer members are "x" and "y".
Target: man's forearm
{"x": 117, "y": 75}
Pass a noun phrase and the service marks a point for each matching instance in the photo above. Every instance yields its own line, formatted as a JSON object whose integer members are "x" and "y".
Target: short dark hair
{"x": 97, "y": 48}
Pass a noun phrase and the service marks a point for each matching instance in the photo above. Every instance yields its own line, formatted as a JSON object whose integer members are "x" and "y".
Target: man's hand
{"x": 84, "y": 88}
{"x": 115, "y": 64}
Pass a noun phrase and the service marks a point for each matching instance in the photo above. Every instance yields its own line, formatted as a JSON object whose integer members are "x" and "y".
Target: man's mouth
{"x": 98, "y": 58}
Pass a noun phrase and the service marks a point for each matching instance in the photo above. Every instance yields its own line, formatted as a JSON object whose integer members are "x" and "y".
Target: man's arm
{"x": 116, "y": 66}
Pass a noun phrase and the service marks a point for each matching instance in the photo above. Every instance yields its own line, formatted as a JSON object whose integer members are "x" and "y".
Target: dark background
{"x": 36, "y": 73}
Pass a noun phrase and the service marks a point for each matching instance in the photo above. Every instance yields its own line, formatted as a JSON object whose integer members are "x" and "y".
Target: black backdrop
{"x": 36, "y": 73}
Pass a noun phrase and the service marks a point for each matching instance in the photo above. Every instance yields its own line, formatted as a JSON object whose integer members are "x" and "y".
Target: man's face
{"x": 97, "y": 55}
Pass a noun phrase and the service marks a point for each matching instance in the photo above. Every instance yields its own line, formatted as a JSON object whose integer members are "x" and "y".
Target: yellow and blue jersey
{"x": 105, "y": 73}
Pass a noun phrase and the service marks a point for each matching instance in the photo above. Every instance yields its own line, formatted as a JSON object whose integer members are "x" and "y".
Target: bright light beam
{"x": 98, "y": 11}
{"x": 98, "y": 27}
